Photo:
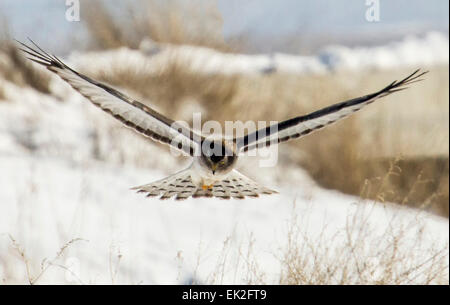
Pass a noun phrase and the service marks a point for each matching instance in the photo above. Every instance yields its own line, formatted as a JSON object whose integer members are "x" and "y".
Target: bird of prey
{"x": 212, "y": 172}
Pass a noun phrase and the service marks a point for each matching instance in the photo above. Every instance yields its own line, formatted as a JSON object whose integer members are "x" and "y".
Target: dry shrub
{"x": 176, "y": 22}
{"x": 363, "y": 250}
{"x": 176, "y": 86}
{"x": 417, "y": 182}
{"x": 2, "y": 92}
{"x": 14, "y": 67}
{"x": 341, "y": 157}
{"x": 17, "y": 69}
{"x": 33, "y": 274}
{"x": 335, "y": 162}
{"x": 104, "y": 32}
{"x": 359, "y": 255}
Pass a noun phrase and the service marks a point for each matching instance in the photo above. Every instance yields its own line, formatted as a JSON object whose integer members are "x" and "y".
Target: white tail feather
{"x": 180, "y": 186}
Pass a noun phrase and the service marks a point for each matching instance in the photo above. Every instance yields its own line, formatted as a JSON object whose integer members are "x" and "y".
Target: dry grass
{"x": 16, "y": 69}
{"x": 362, "y": 257}
{"x": 360, "y": 253}
{"x": 2, "y": 92}
{"x": 176, "y": 22}
{"x": 173, "y": 87}
{"x": 34, "y": 277}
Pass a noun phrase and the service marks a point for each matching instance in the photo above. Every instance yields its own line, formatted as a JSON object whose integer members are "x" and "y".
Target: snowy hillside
{"x": 67, "y": 168}
{"x": 413, "y": 51}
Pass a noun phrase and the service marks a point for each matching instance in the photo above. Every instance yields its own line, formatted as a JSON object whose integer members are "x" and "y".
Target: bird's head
{"x": 218, "y": 156}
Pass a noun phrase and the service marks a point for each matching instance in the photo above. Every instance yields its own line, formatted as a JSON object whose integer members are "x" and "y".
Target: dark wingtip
{"x": 39, "y": 55}
{"x": 410, "y": 79}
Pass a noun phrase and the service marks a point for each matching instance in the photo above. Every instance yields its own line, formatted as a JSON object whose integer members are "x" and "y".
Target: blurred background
{"x": 238, "y": 60}
{"x": 306, "y": 55}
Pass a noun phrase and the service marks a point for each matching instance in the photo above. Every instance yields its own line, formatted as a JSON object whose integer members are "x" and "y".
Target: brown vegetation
{"x": 18, "y": 70}
{"x": 176, "y": 22}
{"x": 362, "y": 257}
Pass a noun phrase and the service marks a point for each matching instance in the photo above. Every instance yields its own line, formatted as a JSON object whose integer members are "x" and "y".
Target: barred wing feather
{"x": 132, "y": 113}
{"x": 303, "y": 125}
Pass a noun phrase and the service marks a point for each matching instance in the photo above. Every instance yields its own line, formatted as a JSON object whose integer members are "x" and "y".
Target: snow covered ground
{"x": 66, "y": 172}
{"x": 412, "y": 51}
{"x": 47, "y": 202}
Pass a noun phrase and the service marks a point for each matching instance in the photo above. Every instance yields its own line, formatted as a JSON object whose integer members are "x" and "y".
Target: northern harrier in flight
{"x": 212, "y": 172}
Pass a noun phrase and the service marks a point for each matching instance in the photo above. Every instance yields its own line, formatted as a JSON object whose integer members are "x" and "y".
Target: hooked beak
{"x": 214, "y": 167}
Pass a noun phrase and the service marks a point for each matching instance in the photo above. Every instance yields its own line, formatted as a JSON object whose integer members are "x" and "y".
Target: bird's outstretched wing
{"x": 303, "y": 125}
{"x": 132, "y": 113}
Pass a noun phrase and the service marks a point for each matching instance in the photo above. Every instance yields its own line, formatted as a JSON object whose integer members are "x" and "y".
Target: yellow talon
{"x": 207, "y": 187}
